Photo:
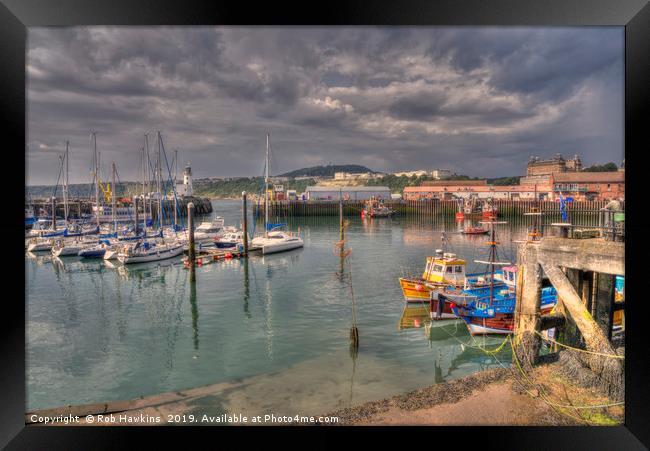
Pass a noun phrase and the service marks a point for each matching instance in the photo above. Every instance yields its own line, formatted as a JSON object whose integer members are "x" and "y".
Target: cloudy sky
{"x": 479, "y": 101}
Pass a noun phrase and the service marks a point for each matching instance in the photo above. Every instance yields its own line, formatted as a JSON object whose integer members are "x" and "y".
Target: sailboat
{"x": 274, "y": 240}
{"x": 491, "y": 310}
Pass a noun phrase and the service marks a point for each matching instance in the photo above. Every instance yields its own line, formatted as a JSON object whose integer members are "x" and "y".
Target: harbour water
{"x": 276, "y": 325}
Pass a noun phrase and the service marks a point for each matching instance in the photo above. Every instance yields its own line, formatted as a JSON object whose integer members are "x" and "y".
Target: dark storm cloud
{"x": 477, "y": 100}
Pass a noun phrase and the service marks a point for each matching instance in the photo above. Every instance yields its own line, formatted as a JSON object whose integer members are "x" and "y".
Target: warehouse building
{"x": 347, "y": 192}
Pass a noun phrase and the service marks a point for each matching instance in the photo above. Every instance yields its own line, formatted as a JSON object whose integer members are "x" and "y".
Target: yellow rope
{"x": 614, "y": 356}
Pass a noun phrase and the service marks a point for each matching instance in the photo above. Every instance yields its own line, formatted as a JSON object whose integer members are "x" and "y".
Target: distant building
{"x": 554, "y": 165}
{"x": 578, "y": 185}
{"x": 418, "y": 173}
{"x": 348, "y": 192}
{"x": 454, "y": 182}
{"x": 590, "y": 185}
{"x": 439, "y": 174}
{"x": 356, "y": 176}
{"x": 479, "y": 191}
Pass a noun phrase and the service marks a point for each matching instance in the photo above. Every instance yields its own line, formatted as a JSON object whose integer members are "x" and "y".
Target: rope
{"x": 551, "y": 403}
{"x": 614, "y": 356}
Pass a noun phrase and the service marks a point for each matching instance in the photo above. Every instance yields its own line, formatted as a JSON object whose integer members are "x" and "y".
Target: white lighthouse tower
{"x": 185, "y": 189}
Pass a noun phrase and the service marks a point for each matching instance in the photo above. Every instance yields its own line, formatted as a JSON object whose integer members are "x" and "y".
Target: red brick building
{"x": 590, "y": 185}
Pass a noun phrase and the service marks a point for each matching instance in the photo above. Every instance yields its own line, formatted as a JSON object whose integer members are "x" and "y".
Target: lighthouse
{"x": 185, "y": 189}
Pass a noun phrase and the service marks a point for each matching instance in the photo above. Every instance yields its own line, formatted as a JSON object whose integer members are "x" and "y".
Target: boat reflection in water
{"x": 456, "y": 352}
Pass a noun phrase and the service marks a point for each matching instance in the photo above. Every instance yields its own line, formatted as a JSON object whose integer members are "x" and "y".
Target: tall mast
{"x": 146, "y": 143}
{"x": 65, "y": 183}
{"x": 113, "y": 187}
{"x": 492, "y": 259}
{"x": 266, "y": 189}
{"x": 174, "y": 190}
{"x": 144, "y": 204}
{"x": 96, "y": 159}
{"x": 159, "y": 180}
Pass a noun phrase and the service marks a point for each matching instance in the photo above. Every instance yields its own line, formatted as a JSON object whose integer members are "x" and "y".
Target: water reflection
{"x": 123, "y": 331}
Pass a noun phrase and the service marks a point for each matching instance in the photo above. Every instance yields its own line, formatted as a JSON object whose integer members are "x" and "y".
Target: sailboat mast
{"x": 174, "y": 190}
{"x": 65, "y": 183}
{"x": 94, "y": 138}
{"x": 266, "y": 189}
{"x": 158, "y": 181}
{"x": 148, "y": 162}
{"x": 113, "y": 187}
{"x": 492, "y": 260}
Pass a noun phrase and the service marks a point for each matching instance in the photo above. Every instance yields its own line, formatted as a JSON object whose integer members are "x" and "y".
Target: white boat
{"x": 148, "y": 251}
{"x": 277, "y": 241}
{"x": 40, "y": 245}
{"x": 69, "y": 247}
{"x": 230, "y": 239}
{"x": 112, "y": 252}
{"x": 95, "y": 251}
{"x": 274, "y": 240}
{"x": 208, "y": 230}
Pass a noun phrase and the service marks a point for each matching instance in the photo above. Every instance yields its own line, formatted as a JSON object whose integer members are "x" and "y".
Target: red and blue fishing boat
{"x": 491, "y": 310}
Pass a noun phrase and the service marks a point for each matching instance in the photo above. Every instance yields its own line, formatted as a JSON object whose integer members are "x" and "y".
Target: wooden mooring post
{"x": 551, "y": 255}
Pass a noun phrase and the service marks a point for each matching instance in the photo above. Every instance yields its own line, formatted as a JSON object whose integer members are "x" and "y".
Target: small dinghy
{"x": 475, "y": 231}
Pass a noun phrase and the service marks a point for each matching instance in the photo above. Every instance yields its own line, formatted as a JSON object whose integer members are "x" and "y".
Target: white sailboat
{"x": 149, "y": 251}
{"x": 274, "y": 240}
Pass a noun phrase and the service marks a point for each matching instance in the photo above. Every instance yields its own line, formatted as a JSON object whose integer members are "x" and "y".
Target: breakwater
{"x": 82, "y": 207}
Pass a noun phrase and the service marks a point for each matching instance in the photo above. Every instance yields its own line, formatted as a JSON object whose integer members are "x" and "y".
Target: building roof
{"x": 453, "y": 182}
{"x": 476, "y": 188}
{"x": 347, "y": 188}
{"x": 589, "y": 177}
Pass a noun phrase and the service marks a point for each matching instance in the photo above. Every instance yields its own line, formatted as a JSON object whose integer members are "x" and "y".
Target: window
{"x": 609, "y": 187}
{"x": 450, "y": 269}
{"x": 438, "y": 268}
{"x": 459, "y": 269}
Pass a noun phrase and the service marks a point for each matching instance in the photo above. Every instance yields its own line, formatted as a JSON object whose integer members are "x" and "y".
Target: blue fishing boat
{"x": 486, "y": 312}
{"x": 491, "y": 309}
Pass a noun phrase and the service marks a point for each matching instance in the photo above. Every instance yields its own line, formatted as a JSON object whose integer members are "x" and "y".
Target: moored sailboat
{"x": 274, "y": 240}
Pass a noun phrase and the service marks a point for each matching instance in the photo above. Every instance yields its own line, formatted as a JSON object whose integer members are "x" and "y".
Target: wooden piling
{"x": 527, "y": 310}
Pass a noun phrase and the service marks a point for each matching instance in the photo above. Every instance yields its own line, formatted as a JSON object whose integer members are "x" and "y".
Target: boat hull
{"x": 66, "y": 251}
{"x": 39, "y": 247}
{"x": 415, "y": 290}
{"x": 501, "y": 323}
{"x": 154, "y": 256}
{"x": 281, "y": 247}
{"x": 92, "y": 253}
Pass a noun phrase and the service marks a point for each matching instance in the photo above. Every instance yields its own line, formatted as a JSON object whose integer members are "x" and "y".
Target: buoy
{"x": 199, "y": 262}
{"x": 228, "y": 255}
{"x": 417, "y": 322}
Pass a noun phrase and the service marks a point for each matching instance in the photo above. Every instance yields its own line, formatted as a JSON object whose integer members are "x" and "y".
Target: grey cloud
{"x": 478, "y": 100}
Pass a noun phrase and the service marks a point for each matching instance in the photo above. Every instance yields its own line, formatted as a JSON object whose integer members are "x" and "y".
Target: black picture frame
{"x": 634, "y": 15}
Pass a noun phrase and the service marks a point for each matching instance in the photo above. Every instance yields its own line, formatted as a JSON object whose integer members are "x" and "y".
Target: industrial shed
{"x": 348, "y": 192}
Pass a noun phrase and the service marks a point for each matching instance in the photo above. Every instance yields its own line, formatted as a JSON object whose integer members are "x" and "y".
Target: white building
{"x": 185, "y": 189}
{"x": 418, "y": 173}
{"x": 440, "y": 174}
{"x": 355, "y": 176}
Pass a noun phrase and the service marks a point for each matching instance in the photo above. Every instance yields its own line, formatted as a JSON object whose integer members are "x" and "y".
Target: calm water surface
{"x": 279, "y": 324}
